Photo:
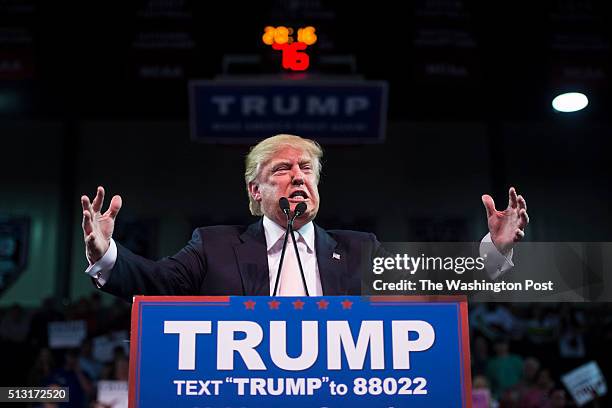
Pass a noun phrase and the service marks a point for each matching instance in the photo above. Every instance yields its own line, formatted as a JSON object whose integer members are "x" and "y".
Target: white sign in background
{"x": 585, "y": 382}
{"x": 68, "y": 334}
{"x": 113, "y": 393}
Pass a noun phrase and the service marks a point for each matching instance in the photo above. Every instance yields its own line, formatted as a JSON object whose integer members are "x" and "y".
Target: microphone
{"x": 283, "y": 203}
{"x": 300, "y": 209}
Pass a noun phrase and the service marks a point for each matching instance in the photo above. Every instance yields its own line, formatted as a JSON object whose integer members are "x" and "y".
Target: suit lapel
{"x": 332, "y": 263}
{"x": 252, "y": 260}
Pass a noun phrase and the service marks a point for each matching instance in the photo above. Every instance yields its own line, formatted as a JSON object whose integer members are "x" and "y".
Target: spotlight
{"x": 570, "y": 102}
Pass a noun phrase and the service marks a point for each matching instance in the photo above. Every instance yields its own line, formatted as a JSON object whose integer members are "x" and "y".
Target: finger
{"x": 512, "y": 199}
{"x": 521, "y": 202}
{"x": 489, "y": 204}
{"x": 520, "y": 234}
{"x": 114, "y": 207}
{"x": 87, "y": 223}
{"x": 97, "y": 202}
{"x": 524, "y": 218}
{"x": 85, "y": 203}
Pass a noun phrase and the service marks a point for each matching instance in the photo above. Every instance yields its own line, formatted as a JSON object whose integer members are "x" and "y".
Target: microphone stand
{"x": 284, "y": 205}
{"x": 299, "y": 210}
{"x": 297, "y": 254}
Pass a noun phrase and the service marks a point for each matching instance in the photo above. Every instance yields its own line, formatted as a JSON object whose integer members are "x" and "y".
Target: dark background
{"x": 98, "y": 96}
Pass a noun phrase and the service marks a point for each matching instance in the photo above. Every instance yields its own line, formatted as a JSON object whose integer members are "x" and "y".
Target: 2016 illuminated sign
{"x": 281, "y": 38}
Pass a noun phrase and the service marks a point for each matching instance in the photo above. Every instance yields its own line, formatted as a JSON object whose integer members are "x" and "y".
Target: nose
{"x": 297, "y": 180}
{"x": 297, "y": 176}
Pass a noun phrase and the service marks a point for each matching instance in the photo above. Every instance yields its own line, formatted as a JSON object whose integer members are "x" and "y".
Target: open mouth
{"x": 298, "y": 195}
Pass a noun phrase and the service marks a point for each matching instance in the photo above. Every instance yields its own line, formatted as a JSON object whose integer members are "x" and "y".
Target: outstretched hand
{"x": 97, "y": 227}
{"x": 507, "y": 226}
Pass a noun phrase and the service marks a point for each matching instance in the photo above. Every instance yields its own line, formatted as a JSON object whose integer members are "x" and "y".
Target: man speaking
{"x": 244, "y": 260}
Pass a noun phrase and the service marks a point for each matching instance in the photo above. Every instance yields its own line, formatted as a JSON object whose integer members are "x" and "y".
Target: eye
{"x": 282, "y": 167}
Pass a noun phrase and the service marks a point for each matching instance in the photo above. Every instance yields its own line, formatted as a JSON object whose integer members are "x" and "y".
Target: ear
{"x": 254, "y": 191}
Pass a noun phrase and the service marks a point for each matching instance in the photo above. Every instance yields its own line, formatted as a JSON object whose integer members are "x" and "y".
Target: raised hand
{"x": 507, "y": 226}
{"x": 97, "y": 227}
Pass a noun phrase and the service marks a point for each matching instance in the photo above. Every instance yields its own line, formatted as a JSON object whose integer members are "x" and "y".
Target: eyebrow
{"x": 280, "y": 163}
{"x": 286, "y": 162}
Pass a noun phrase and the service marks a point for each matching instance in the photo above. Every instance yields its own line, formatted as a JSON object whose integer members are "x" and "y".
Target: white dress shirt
{"x": 305, "y": 239}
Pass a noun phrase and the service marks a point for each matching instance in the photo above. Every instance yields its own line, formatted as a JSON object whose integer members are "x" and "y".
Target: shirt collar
{"x": 274, "y": 232}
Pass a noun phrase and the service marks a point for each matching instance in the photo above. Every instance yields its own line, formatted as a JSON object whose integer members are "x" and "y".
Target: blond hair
{"x": 263, "y": 151}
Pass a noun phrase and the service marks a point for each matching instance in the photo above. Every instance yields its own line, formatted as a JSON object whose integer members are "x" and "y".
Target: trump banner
{"x": 299, "y": 352}
{"x": 245, "y": 111}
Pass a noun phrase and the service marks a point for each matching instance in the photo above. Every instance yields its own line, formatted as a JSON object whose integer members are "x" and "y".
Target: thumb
{"x": 114, "y": 207}
{"x": 489, "y": 204}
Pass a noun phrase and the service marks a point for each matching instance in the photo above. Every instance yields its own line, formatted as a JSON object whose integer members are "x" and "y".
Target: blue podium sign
{"x": 299, "y": 352}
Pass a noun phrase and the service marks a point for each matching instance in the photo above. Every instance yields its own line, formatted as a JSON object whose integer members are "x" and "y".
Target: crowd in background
{"x": 28, "y": 360}
{"x": 518, "y": 351}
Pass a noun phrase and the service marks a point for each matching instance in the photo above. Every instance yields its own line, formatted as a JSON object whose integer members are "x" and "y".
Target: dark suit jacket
{"x": 232, "y": 260}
